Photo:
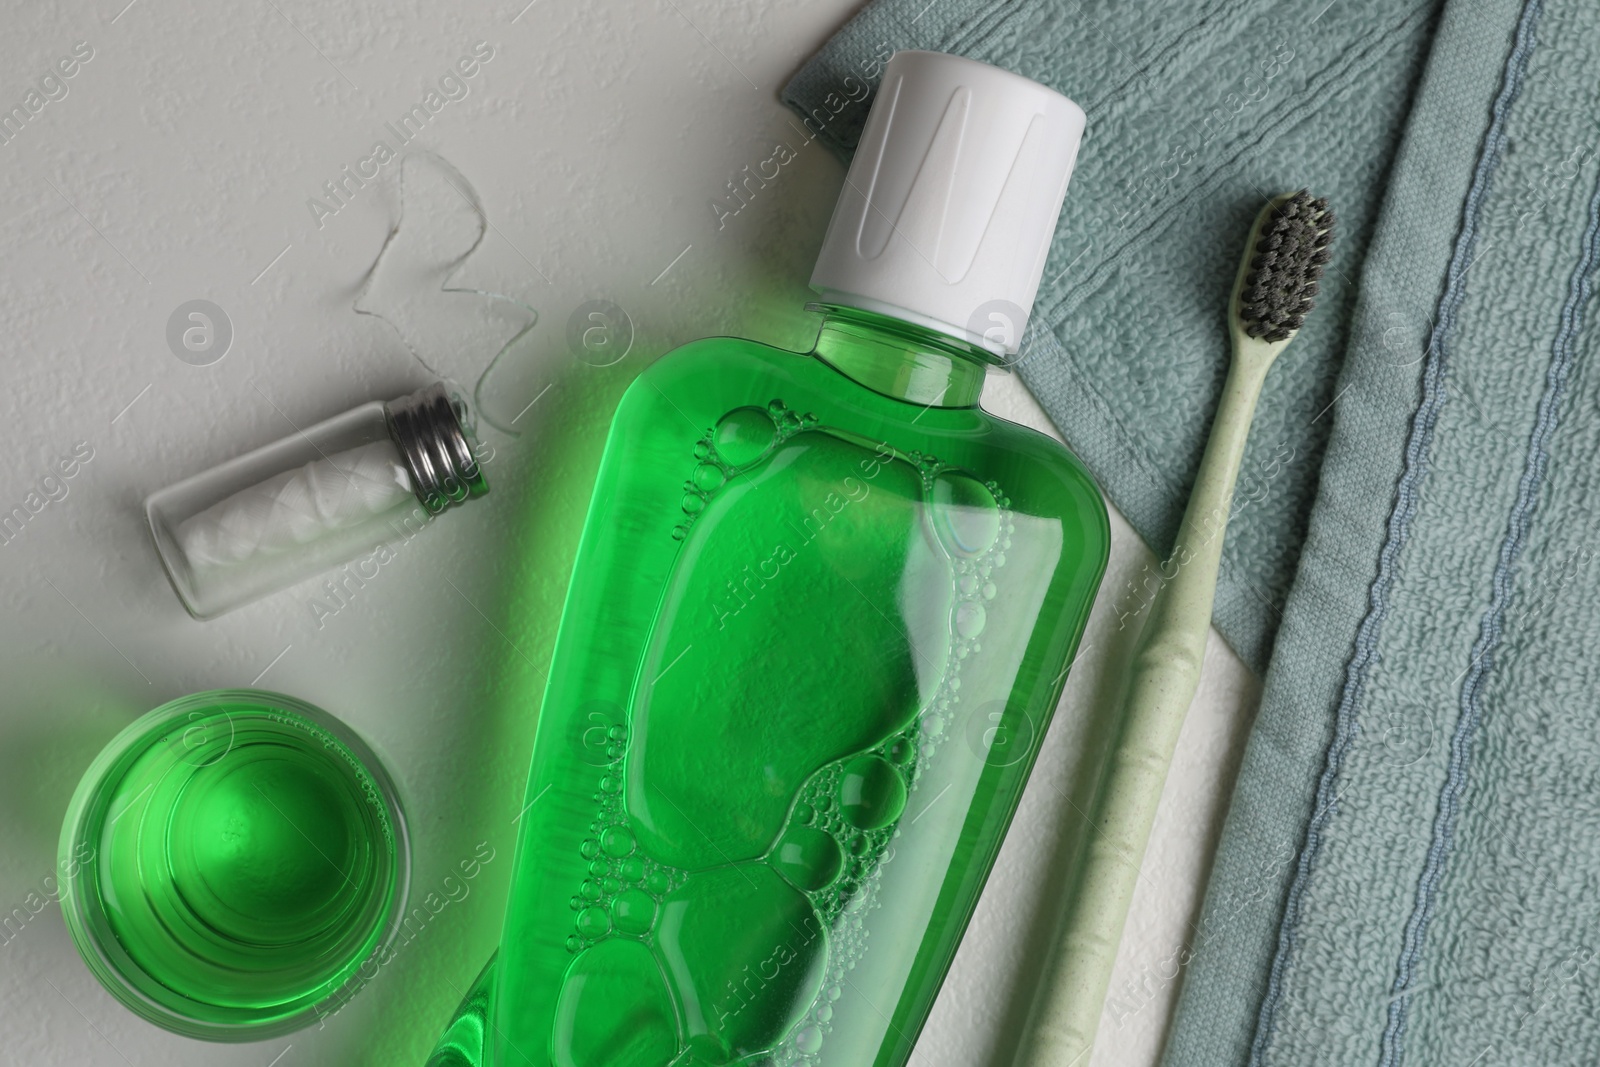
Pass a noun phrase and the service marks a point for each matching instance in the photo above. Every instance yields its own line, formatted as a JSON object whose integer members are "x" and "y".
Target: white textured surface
{"x": 177, "y": 166}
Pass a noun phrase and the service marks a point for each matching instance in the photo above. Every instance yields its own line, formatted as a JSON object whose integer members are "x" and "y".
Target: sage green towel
{"x": 1410, "y": 870}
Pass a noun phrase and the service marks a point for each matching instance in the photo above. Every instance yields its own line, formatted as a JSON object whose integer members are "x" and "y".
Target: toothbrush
{"x": 1274, "y": 290}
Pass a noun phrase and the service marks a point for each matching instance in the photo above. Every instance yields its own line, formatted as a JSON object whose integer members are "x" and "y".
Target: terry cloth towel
{"x": 1410, "y": 869}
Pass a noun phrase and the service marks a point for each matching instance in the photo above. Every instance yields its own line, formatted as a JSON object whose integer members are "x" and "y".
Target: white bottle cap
{"x": 947, "y": 213}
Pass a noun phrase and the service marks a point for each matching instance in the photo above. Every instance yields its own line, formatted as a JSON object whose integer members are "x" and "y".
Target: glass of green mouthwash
{"x": 235, "y": 864}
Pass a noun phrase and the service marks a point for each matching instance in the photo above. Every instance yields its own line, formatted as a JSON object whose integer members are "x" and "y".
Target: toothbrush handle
{"x": 1165, "y": 673}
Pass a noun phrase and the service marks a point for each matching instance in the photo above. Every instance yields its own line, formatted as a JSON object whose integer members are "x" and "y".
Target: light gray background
{"x": 179, "y": 166}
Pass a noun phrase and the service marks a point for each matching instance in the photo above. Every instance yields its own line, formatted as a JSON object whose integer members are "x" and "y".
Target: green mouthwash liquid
{"x": 821, "y": 614}
{"x": 231, "y": 863}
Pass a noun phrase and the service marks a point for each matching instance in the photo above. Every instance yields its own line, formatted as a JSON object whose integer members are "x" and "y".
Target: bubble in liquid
{"x": 970, "y": 618}
{"x": 966, "y": 518}
{"x": 692, "y": 503}
{"x": 633, "y": 869}
{"x": 713, "y": 934}
{"x": 658, "y": 882}
{"x": 590, "y": 848}
{"x": 803, "y": 814}
{"x": 871, "y": 793}
{"x": 617, "y": 841}
{"x": 743, "y": 436}
{"x": 808, "y": 859}
{"x": 809, "y": 1040}
{"x": 594, "y": 922}
{"x": 633, "y": 912}
{"x": 614, "y": 979}
{"x": 708, "y": 476}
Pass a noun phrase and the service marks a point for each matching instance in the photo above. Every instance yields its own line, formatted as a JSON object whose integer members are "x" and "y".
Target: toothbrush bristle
{"x": 1290, "y": 252}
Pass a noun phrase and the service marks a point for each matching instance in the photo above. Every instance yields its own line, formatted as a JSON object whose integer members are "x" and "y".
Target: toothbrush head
{"x": 1277, "y": 283}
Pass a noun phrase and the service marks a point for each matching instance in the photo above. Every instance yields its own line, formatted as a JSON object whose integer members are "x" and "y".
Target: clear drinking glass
{"x": 234, "y": 865}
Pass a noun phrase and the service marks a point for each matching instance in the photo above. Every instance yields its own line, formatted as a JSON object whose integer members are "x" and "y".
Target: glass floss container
{"x": 319, "y": 497}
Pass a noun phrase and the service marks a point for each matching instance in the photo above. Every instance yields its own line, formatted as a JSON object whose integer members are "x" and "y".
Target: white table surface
{"x": 178, "y": 166}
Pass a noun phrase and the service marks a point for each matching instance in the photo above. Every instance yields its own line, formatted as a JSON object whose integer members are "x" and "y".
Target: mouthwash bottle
{"x": 822, "y": 610}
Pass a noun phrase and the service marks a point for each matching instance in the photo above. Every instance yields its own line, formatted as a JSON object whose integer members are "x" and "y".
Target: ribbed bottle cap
{"x": 432, "y": 428}
{"x": 947, "y": 212}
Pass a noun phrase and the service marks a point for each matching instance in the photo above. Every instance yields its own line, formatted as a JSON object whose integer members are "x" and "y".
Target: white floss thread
{"x": 298, "y": 506}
